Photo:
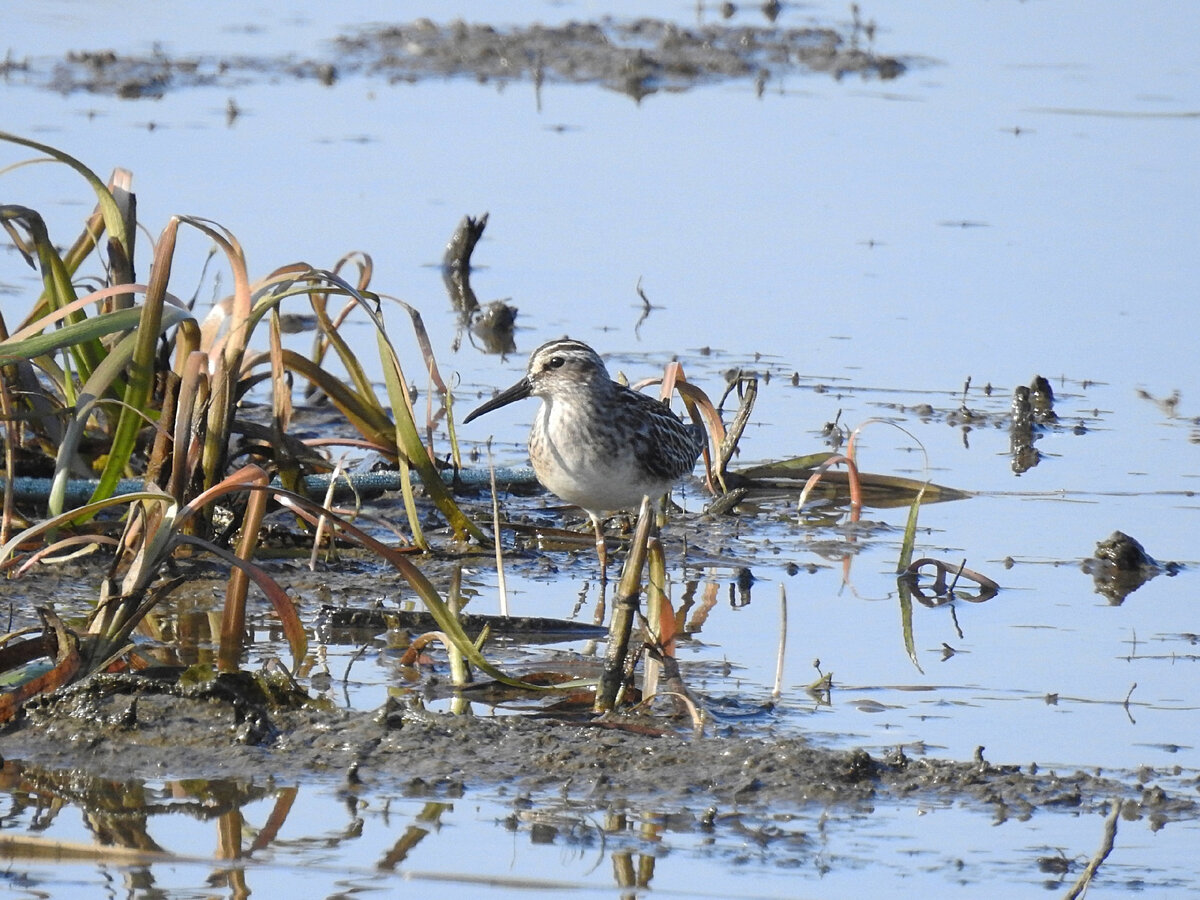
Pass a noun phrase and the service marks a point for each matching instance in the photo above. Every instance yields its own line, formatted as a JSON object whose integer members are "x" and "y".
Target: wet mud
{"x": 636, "y": 58}
{"x": 257, "y": 727}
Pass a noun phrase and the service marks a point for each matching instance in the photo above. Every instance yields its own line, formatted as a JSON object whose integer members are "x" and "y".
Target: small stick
{"x": 733, "y": 435}
{"x": 962, "y": 566}
{"x": 775, "y": 694}
{"x": 1132, "y": 688}
{"x": 501, "y": 582}
{"x": 462, "y": 243}
{"x": 323, "y": 522}
{"x": 1110, "y": 837}
{"x": 646, "y": 307}
{"x": 456, "y": 264}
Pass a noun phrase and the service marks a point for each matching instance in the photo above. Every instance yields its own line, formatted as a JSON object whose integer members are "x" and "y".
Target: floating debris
{"x": 1122, "y": 565}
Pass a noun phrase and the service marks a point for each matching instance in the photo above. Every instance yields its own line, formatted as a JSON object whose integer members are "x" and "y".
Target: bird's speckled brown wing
{"x": 667, "y": 447}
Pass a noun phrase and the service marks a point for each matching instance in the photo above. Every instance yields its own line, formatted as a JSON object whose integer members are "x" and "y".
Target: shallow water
{"x": 388, "y": 840}
{"x": 1022, "y": 201}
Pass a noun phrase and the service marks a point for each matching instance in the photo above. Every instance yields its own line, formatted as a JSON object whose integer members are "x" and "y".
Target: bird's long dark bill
{"x": 518, "y": 391}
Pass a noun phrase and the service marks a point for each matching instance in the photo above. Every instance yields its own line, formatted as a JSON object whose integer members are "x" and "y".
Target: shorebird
{"x": 594, "y": 442}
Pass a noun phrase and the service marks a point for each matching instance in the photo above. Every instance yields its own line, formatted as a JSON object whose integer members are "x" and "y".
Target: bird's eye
{"x": 556, "y": 362}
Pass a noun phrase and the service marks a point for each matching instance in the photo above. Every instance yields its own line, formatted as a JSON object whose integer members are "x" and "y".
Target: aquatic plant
{"x": 127, "y": 382}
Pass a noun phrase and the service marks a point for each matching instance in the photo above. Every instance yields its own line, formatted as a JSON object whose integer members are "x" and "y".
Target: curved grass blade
{"x": 56, "y": 281}
{"x": 371, "y": 422}
{"x": 906, "y": 621}
{"x": 407, "y": 437}
{"x": 141, "y": 371}
{"x": 225, "y": 355}
{"x": 114, "y": 221}
{"x": 910, "y": 533}
{"x": 701, "y": 409}
{"x": 89, "y": 395}
{"x": 63, "y": 519}
{"x": 70, "y": 335}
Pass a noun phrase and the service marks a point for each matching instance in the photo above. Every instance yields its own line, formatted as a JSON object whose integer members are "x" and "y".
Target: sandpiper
{"x": 594, "y": 442}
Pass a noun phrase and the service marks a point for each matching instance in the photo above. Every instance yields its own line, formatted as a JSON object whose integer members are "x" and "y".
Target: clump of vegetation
{"x": 132, "y": 394}
{"x": 128, "y": 388}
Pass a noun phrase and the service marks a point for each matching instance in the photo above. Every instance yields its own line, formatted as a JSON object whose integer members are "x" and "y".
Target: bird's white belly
{"x": 573, "y": 466}
{"x": 600, "y": 487}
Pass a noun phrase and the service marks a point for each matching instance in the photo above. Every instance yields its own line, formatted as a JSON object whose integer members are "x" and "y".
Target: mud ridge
{"x": 114, "y": 730}
{"x": 637, "y": 58}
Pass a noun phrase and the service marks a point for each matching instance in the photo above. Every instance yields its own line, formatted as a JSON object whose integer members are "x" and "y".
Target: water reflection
{"x": 155, "y": 836}
{"x": 1032, "y": 412}
{"x": 943, "y": 591}
{"x": 118, "y": 816}
{"x": 132, "y": 825}
{"x": 428, "y": 820}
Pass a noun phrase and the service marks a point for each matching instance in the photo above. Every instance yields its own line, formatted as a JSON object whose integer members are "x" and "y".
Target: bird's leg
{"x": 601, "y": 604}
{"x": 601, "y": 547}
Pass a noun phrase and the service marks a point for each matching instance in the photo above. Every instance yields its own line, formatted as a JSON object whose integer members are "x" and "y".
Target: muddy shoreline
{"x": 131, "y": 730}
